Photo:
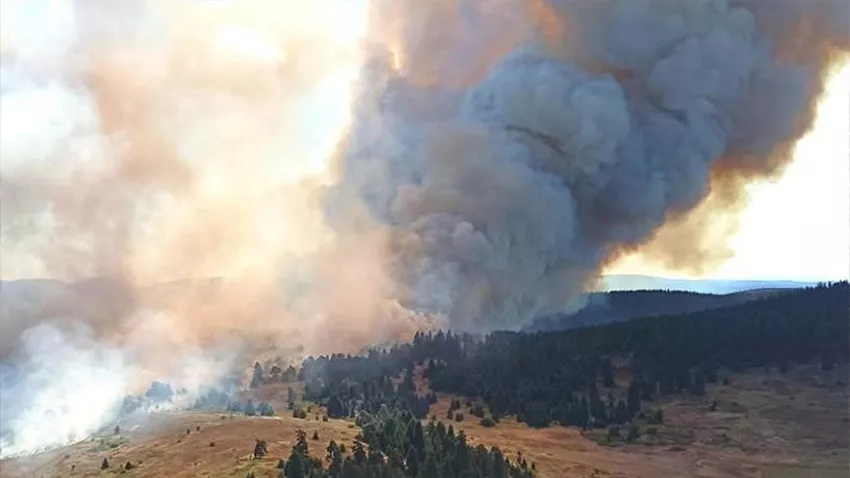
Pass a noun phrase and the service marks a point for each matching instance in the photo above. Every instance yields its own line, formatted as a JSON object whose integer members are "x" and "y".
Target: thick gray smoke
{"x": 514, "y": 147}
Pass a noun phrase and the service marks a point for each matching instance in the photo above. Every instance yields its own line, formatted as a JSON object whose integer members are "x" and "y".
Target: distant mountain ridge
{"x": 624, "y": 297}
{"x": 616, "y": 282}
{"x": 620, "y": 305}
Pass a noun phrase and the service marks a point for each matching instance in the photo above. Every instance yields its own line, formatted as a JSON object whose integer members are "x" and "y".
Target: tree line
{"x": 568, "y": 377}
{"x": 394, "y": 443}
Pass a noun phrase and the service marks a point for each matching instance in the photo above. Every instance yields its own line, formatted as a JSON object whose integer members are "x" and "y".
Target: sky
{"x": 797, "y": 227}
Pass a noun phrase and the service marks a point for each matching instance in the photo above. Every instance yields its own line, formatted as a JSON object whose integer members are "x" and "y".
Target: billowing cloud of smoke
{"x": 515, "y": 147}
{"x": 164, "y": 160}
{"x": 500, "y": 152}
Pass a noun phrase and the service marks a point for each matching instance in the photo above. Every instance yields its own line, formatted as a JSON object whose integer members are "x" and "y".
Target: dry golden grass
{"x": 766, "y": 426}
{"x": 161, "y": 447}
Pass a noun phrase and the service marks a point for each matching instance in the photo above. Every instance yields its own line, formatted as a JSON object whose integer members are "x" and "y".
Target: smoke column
{"x": 514, "y": 148}
{"x": 175, "y": 162}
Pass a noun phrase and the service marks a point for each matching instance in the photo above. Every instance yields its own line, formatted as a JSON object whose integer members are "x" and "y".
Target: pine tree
{"x": 299, "y": 465}
{"x": 431, "y": 469}
{"x": 633, "y": 398}
{"x": 633, "y": 434}
{"x": 606, "y": 370}
{"x": 597, "y": 407}
{"x": 290, "y": 398}
{"x": 250, "y": 409}
{"x": 335, "y": 460}
{"x": 258, "y": 378}
{"x": 260, "y": 449}
{"x": 698, "y": 382}
{"x": 358, "y": 452}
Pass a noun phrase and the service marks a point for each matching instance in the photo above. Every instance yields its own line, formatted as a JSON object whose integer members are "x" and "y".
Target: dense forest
{"x": 394, "y": 443}
{"x": 617, "y": 306}
{"x": 567, "y": 377}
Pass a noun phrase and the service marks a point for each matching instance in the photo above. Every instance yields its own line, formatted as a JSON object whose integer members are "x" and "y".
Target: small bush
{"x": 260, "y": 449}
{"x": 487, "y": 422}
{"x": 324, "y": 418}
{"x": 458, "y": 417}
{"x": 633, "y": 434}
{"x": 655, "y": 418}
{"x": 104, "y": 464}
{"x": 316, "y": 435}
{"x": 651, "y": 431}
{"x": 265, "y": 409}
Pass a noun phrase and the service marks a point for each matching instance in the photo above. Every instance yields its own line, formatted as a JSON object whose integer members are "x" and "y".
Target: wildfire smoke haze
{"x": 353, "y": 172}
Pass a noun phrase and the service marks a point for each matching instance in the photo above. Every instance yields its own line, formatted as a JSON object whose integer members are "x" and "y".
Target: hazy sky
{"x": 799, "y": 226}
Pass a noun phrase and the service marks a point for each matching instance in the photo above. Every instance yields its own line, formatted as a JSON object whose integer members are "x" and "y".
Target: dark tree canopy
{"x": 559, "y": 377}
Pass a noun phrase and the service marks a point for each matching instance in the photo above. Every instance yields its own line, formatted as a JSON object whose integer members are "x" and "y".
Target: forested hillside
{"x": 616, "y": 306}
{"x": 393, "y": 444}
{"x": 568, "y": 377}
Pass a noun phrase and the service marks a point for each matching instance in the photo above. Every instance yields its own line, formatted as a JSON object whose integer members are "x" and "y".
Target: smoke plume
{"x": 513, "y": 148}
{"x": 219, "y": 180}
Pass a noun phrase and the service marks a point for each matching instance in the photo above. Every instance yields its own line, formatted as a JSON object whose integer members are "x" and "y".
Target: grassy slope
{"x": 766, "y": 425}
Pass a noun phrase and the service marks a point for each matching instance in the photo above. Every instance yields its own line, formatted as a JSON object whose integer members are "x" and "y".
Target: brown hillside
{"x": 766, "y": 425}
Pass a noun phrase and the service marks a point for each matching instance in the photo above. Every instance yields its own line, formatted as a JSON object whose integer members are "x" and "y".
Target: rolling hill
{"x": 619, "y": 305}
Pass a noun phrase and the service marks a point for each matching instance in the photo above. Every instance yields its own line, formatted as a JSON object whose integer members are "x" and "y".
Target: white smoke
{"x": 148, "y": 142}
{"x": 65, "y": 388}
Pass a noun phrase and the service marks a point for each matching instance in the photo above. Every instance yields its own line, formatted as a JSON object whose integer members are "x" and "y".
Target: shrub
{"x": 655, "y": 418}
{"x": 458, "y": 417}
{"x": 487, "y": 422}
{"x": 260, "y": 449}
{"x": 633, "y": 434}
